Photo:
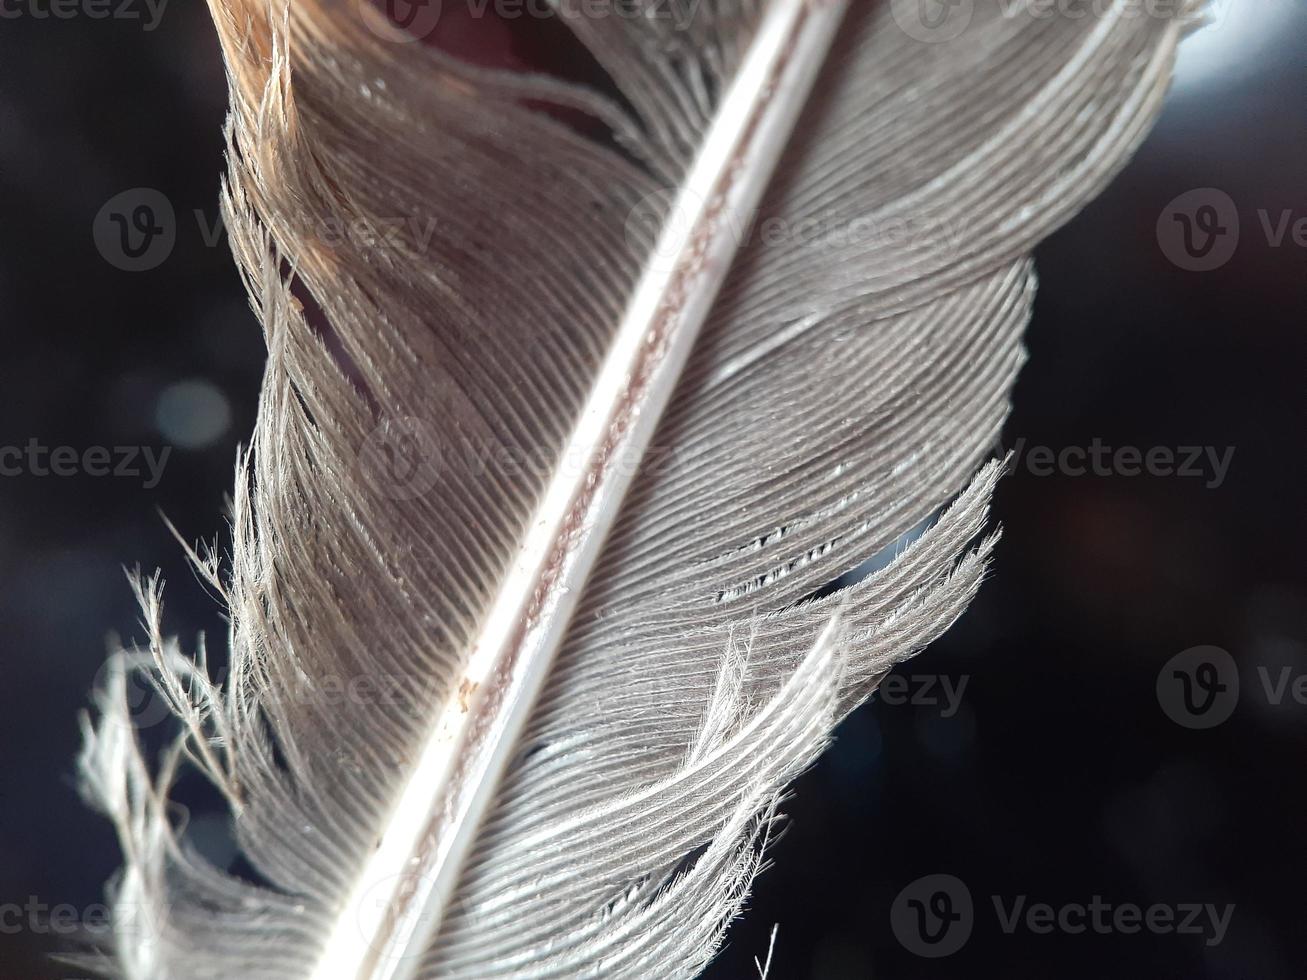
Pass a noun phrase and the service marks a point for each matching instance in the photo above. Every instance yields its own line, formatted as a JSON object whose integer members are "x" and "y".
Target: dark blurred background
{"x": 1058, "y": 774}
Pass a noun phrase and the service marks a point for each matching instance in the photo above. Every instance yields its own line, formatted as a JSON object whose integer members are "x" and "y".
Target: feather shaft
{"x": 396, "y": 906}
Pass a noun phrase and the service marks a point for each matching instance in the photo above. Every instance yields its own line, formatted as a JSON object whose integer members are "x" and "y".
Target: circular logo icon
{"x": 386, "y": 897}
{"x": 1199, "y": 687}
{"x": 401, "y": 458}
{"x": 400, "y": 21}
{"x": 939, "y": 439}
{"x": 136, "y": 230}
{"x": 659, "y": 226}
{"x": 933, "y": 916}
{"x": 1199, "y": 230}
{"x": 933, "y": 21}
{"x": 127, "y": 676}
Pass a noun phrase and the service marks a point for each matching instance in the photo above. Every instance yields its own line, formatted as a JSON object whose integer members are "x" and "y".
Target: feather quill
{"x": 524, "y": 640}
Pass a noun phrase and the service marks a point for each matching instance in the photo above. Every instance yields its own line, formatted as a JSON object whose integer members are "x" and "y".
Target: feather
{"x": 529, "y": 624}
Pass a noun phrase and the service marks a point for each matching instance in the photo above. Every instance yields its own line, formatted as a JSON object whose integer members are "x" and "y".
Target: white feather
{"x": 491, "y": 720}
